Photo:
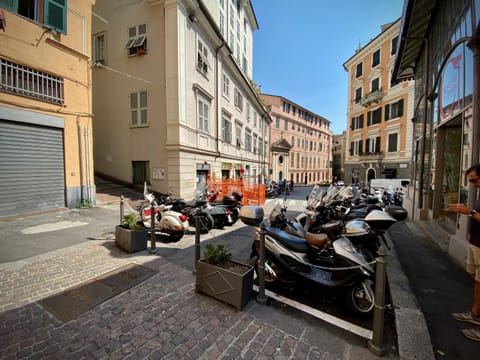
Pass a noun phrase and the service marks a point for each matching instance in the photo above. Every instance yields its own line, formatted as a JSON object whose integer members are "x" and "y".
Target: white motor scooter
{"x": 167, "y": 221}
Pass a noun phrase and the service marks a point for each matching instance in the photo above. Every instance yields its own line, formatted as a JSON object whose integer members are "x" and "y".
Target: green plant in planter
{"x": 216, "y": 254}
{"x": 130, "y": 222}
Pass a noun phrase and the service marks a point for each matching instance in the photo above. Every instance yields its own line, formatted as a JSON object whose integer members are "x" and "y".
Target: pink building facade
{"x": 300, "y": 143}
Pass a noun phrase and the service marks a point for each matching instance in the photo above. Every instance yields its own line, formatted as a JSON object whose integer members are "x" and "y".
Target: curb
{"x": 413, "y": 337}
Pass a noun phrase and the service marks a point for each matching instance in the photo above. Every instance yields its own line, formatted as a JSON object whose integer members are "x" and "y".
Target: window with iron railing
{"x": 25, "y": 81}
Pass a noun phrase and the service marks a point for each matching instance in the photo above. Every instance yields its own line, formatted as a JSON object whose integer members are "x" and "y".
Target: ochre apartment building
{"x": 45, "y": 105}
{"x": 379, "y": 130}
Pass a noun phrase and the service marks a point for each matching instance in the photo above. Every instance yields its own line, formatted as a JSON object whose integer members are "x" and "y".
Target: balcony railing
{"x": 373, "y": 97}
{"x": 372, "y": 156}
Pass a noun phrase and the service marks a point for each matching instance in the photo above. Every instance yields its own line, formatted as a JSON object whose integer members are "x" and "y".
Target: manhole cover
{"x": 73, "y": 302}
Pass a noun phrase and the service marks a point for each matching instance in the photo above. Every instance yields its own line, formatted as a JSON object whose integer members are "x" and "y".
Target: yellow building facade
{"x": 379, "y": 134}
{"x": 46, "y": 159}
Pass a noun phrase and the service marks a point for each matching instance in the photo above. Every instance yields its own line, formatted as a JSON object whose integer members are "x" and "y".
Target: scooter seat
{"x": 317, "y": 240}
{"x": 294, "y": 243}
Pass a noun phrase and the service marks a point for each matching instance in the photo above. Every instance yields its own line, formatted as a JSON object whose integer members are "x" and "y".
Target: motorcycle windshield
{"x": 315, "y": 196}
{"x": 277, "y": 210}
{"x": 344, "y": 193}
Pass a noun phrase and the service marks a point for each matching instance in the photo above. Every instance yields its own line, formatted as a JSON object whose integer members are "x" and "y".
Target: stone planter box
{"x": 131, "y": 240}
{"x": 231, "y": 284}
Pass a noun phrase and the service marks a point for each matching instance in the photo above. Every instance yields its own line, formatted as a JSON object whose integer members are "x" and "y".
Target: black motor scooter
{"x": 194, "y": 207}
{"x": 335, "y": 267}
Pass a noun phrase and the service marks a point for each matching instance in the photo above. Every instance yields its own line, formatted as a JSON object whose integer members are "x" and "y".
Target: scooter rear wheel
{"x": 206, "y": 223}
{"x": 175, "y": 236}
{"x": 275, "y": 273}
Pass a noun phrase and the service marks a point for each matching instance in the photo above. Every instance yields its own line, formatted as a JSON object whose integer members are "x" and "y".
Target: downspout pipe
{"x": 217, "y": 107}
{"x": 80, "y": 158}
{"x": 474, "y": 45}
{"x": 424, "y": 118}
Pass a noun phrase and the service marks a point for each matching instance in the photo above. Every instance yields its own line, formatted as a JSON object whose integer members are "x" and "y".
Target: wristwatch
{"x": 473, "y": 212}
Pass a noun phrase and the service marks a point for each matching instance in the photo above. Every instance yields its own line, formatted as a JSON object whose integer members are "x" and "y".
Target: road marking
{"x": 52, "y": 227}
{"x": 345, "y": 325}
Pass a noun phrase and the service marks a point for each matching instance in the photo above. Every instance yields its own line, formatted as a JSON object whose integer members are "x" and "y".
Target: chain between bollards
{"x": 376, "y": 344}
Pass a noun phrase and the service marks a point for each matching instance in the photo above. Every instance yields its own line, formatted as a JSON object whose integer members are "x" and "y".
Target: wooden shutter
{"x": 55, "y": 15}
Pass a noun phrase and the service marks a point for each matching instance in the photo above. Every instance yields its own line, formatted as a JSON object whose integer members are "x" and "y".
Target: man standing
{"x": 473, "y": 256}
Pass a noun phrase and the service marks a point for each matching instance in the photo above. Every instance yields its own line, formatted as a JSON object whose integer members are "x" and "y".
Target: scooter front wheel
{"x": 361, "y": 297}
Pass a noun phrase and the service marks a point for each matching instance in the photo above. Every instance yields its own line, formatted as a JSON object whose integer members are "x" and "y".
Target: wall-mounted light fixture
{"x": 193, "y": 18}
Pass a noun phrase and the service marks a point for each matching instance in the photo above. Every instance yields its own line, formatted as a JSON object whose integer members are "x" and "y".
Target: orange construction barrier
{"x": 253, "y": 193}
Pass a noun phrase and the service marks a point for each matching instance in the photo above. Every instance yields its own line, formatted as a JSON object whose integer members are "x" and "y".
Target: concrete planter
{"x": 131, "y": 240}
{"x": 231, "y": 286}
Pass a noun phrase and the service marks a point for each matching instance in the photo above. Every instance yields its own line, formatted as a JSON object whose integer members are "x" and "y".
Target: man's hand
{"x": 459, "y": 209}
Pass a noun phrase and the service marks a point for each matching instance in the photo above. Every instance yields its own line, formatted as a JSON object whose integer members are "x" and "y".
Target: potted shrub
{"x": 130, "y": 236}
{"x": 223, "y": 278}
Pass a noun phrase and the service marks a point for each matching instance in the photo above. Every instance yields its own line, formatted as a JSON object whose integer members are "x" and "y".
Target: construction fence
{"x": 253, "y": 193}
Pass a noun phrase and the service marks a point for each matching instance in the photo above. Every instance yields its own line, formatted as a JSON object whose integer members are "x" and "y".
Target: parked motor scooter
{"x": 166, "y": 220}
{"x": 193, "y": 209}
{"x": 231, "y": 203}
{"x": 335, "y": 267}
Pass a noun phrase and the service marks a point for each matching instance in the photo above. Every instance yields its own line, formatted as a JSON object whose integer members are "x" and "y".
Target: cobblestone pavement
{"x": 161, "y": 318}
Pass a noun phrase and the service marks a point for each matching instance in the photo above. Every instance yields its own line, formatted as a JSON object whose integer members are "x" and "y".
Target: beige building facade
{"x": 173, "y": 100}
{"x": 338, "y": 157}
{"x": 379, "y": 130}
{"x": 301, "y": 143}
{"x": 45, "y": 106}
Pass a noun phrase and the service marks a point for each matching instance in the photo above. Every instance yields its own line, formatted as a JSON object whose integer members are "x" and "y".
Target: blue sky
{"x": 301, "y": 46}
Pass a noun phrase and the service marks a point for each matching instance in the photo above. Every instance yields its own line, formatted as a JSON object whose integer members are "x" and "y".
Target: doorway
{"x": 450, "y": 167}
{"x": 370, "y": 175}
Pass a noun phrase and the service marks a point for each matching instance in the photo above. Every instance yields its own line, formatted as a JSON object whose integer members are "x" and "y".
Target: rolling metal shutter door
{"x": 31, "y": 168}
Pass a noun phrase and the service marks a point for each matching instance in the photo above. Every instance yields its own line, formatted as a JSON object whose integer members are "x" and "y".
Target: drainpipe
{"x": 80, "y": 157}
{"x": 87, "y": 164}
{"x": 424, "y": 119}
{"x": 217, "y": 108}
{"x": 474, "y": 45}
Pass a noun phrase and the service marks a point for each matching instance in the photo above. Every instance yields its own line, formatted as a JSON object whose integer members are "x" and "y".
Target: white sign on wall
{"x": 158, "y": 173}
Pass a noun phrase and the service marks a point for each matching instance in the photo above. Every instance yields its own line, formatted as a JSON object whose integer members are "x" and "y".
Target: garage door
{"x": 31, "y": 168}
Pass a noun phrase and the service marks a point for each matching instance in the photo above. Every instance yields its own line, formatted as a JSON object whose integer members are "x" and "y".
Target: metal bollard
{"x": 376, "y": 344}
{"x": 122, "y": 208}
{"x": 153, "y": 245}
{"x": 197, "y": 239}
{"x": 261, "y": 298}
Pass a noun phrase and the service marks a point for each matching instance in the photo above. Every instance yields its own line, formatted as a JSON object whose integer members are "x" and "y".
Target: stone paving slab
{"x": 29, "y": 280}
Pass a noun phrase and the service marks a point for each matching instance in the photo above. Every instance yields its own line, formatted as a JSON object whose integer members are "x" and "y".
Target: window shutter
{"x": 56, "y": 15}
{"x": 361, "y": 121}
{"x": 378, "y": 116}
{"x": 8, "y": 4}
{"x": 351, "y": 148}
{"x": 387, "y": 112}
{"x": 367, "y": 145}
{"x": 360, "y": 147}
{"x": 377, "y": 144}
{"x": 400, "y": 108}
{"x": 352, "y": 125}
